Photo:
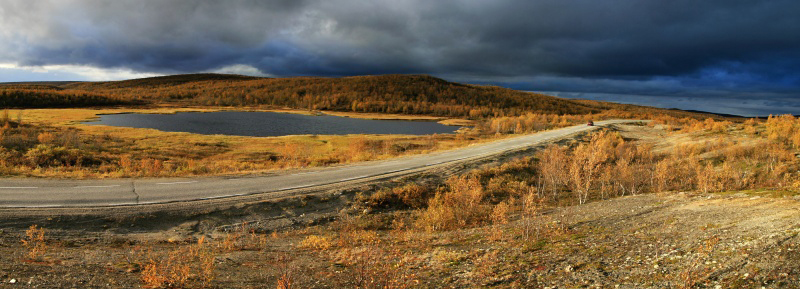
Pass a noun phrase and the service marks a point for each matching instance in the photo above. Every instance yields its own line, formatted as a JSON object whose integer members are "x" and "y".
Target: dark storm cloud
{"x": 632, "y": 46}
{"x": 144, "y": 35}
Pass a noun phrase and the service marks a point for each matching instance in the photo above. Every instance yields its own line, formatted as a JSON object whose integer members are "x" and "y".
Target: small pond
{"x": 269, "y": 124}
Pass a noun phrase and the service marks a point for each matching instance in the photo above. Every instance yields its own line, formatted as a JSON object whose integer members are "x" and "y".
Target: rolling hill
{"x": 400, "y": 94}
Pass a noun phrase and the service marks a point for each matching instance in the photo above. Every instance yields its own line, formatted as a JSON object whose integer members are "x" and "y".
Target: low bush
{"x": 316, "y": 243}
{"x": 185, "y": 267}
{"x": 35, "y": 242}
{"x": 458, "y": 205}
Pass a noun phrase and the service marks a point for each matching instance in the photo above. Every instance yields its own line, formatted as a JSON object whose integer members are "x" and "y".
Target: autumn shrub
{"x": 784, "y": 129}
{"x": 780, "y": 128}
{"x": 552, "y": 169}
{"x": 294, "y": 154}
{"x": 361, "y": 148}
{"x": 632, "y": 171}
{"x": 607, "y": 166}
{"x": 18, "y": 139}
{"x": 458, "y": 205}
{"x": 185, "y": 267}
{"x": 585, "y": 165}
{"x": 410, "y": 195}
{"x": 34, "y": 241}
{"x": 696, "y": 272}
{"x": 706, "y": 179}
{"x": 46, "y": 138}
{"x": 377, "y": 266}
{"x": 380, "y": 198}
{"x": 504, "y": 185}
{"x": 413, "y": 195}
{"x": 582, "y": 169}
{"x": 285, "y": 281}
{"x": 5, "y": 119}
{"x": 241, "y": 237}
{"x": 530, "y": 207}
{"x": 663, "y": 177}
{"x": 48, "y": 156}
{"x": 502, "y": 211}
{"x": 229, "y": 242}
{"x": 750, "y": 126}
{"x": 358, "y": 238}
{"x": 316, "y": 242}
{"x": 533, "y": 122}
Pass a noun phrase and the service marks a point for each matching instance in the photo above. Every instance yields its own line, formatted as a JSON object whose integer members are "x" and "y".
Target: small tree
{"x": 552, "y": 167}
{"x": 586, "y": 162}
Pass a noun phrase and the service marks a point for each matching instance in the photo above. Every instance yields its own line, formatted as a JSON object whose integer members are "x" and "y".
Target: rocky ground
{"x": 647, "y": 241}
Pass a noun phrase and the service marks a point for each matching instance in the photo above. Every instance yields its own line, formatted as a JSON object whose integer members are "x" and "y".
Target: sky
{"x": 728, "y": 56}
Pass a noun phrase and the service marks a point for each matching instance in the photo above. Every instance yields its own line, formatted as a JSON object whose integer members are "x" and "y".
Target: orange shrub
{"x": 35, "y": 242}
{"x": 459, "y": 205}
{"x": 185, "y": 267}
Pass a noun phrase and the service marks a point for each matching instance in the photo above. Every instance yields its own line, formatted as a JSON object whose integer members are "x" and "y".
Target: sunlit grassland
{"x": 74, "y": 116}
{"x": 96, "y": 151}
{"x": 442, "y": 120}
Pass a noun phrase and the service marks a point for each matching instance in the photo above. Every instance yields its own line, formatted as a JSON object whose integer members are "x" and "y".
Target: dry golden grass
{"x": 458, "y": 122}
{"x": 382, "y": 115}
{"x": 316, "y": 243}
{"x": 389, "y": 116}
{"x": 57, "y": 116}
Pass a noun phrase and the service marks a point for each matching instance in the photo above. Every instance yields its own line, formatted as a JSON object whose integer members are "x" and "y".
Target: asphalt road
{"x": 37, "y": 193}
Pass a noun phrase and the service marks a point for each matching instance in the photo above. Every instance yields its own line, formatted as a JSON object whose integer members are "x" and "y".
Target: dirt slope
{"x": 673, "y": 240}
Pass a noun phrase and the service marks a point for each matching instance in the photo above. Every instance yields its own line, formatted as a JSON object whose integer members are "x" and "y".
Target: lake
{"x": 269, "y": 124}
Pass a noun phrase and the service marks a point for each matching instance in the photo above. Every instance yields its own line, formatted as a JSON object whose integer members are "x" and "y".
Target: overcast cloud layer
{"x": 736, "y": 49}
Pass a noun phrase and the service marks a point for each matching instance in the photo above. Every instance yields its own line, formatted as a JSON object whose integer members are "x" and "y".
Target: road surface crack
{"x": 133, "y": 189}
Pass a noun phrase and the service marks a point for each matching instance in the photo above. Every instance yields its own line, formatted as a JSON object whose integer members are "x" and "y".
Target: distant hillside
{"x": 44, "y": 97}
{"x": 38, "y": 83}
{"x": 158, "y": 81}
{"x": 403, "y": 94}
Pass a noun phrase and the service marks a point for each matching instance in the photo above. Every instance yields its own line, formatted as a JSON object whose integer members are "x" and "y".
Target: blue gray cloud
{"x": 712, "y": 48}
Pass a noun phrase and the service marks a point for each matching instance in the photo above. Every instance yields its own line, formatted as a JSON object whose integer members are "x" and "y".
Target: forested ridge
{"x": 54, "y": 97}
{"x": 402, "y": 94}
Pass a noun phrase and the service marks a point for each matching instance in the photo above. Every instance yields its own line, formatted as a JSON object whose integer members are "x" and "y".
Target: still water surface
{"x": 269, "y": 124}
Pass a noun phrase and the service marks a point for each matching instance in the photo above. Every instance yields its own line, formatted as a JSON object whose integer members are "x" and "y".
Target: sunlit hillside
{"x": 401, "y": 94}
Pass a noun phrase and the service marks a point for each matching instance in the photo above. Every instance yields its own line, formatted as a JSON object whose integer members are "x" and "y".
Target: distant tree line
{"x": 27, "y": 98}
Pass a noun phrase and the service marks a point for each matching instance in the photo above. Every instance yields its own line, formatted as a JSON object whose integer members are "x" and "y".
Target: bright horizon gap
{"x": 718, "y": 105}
